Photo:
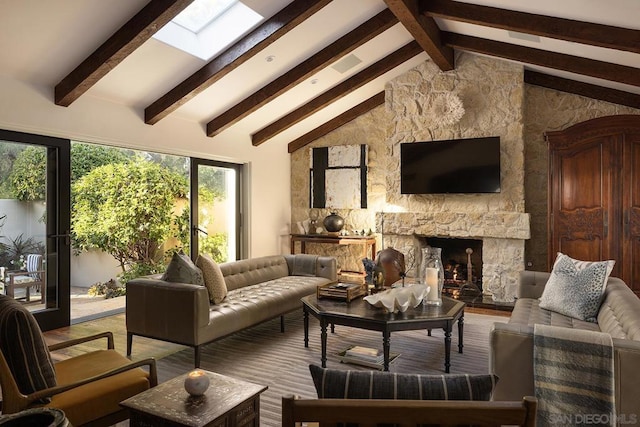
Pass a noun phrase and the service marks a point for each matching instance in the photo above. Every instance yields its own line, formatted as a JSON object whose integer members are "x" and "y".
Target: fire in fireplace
{"x": 462, "y": 260}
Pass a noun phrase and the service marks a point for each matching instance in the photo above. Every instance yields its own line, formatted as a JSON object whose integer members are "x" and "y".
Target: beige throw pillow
{"x": 213, "y": 278}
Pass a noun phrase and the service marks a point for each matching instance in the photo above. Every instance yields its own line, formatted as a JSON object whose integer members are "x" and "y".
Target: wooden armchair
{"x": 88, "y": 387}
{"x": 407, "y": 413}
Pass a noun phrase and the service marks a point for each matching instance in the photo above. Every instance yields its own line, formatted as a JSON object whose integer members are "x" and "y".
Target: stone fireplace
{"x": 502, "y": 235}
{"x": 492, "y": 92}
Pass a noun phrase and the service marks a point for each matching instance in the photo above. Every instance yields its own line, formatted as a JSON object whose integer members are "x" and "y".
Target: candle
{"x": 431, "y": 280}
{"x": 196, "y": 382}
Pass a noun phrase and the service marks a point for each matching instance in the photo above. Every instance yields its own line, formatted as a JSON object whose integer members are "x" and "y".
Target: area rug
{"x": 266, "y": 356}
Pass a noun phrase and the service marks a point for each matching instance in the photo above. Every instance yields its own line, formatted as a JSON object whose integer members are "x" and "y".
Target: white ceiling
{"x": 41, "y": 41}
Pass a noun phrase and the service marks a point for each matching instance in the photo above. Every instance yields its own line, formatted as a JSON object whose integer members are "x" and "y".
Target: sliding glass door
{"x": 35, "y": 244}
{"x": 35, "y": 220}
{"x": 216, "y": 210}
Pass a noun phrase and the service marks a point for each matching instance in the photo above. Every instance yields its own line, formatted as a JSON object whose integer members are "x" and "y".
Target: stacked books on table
{"x": 365, "y": 356}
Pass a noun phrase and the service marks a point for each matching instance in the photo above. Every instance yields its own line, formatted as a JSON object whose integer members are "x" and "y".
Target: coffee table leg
{"x": 447, "y": 348}
{"x": 306, "y": 325}
{"x": 323, "y": 339}
{"x": 386, "y": 347}
{"x": 460, "y": 333}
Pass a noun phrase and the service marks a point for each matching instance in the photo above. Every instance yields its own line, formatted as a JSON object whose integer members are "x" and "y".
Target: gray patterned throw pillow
{"x": 575, "y": 288}
{"x": 182, "y": 270}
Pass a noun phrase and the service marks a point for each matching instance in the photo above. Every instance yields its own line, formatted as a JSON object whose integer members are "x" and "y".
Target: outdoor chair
{"x": 87, "y": 387}
{"x": 32, "y": 278}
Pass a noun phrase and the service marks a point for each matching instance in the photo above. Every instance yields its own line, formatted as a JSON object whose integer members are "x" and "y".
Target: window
{"x": 207, "y": 27}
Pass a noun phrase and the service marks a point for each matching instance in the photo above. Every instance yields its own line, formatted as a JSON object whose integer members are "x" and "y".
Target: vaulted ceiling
{"x": 310, "y": 65}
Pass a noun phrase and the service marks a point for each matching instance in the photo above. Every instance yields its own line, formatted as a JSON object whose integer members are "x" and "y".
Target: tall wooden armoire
{"x": 594, "y": 194}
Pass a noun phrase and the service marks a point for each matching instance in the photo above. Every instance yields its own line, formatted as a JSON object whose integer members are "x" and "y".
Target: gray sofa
{"x": 259, "y": 289}
{"x": 511, "y": 344}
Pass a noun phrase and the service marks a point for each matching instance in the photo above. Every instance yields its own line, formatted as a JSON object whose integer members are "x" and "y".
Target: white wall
{"x": 29, "y": 108}
{"x": 91, "y": 267}
{"x": 22, "y": 218}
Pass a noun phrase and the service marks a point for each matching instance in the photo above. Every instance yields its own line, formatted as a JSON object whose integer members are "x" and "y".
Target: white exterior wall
{"x": 22, "y": 218}
{"x": 92, "y": 267}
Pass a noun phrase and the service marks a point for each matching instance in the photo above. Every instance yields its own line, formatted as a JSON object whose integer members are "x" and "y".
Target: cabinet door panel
{"x": 581, "y": 201}
{"x": 631, "y": 212}
{"x": 594, "y": 193}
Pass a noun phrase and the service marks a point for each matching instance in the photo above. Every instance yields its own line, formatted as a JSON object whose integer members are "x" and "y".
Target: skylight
{"x": 207, "y": 27}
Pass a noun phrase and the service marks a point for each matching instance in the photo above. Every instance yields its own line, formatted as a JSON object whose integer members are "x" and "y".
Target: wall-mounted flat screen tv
{"x": 453, "y": 166}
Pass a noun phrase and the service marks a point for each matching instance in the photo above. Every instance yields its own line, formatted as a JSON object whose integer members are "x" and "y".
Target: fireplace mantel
{"x": 502, "y": 233}
{"x": 498, "y": 225}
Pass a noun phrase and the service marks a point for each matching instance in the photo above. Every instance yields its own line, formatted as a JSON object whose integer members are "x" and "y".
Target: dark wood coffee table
{"x": 227, "y": 402}
{"x": 360, "y": 314}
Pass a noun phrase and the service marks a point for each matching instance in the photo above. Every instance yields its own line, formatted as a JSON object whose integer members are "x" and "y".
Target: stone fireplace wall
{"x": 492, "y": 92}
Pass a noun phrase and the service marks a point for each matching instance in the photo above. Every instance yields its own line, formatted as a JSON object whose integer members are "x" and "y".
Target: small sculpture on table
{"x": 374, "y": 275}
{"x": 378, "y": 278}
{"x": 392, "y": 262}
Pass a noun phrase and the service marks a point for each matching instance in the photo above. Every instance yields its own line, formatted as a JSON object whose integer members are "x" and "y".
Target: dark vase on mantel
{"x": 333, "y": 223}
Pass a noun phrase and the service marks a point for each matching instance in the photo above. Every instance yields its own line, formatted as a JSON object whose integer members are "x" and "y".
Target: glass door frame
{"x": 58, "y": 225}
{"x": 240, "y": 227}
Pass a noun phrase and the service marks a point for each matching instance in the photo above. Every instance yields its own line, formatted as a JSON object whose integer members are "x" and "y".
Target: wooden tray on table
{"x": 342, "y": 291}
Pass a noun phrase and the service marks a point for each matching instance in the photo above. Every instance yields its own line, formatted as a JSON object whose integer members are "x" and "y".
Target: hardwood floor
{"x": 142, "y": 347}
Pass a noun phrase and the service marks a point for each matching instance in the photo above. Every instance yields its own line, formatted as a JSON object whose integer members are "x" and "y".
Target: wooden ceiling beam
{"x": 424, "y": 30}
{"x": 539, "y": 25}
{"x": 584, "y": 89}
{"x": 336, "y": 122}
{"x": 121, "y": 44}
{"x": 387, "y": 63}
{"x": 558, "y": 61}
{"x": 349, "y": 42}
{"x": 234, "y": 56}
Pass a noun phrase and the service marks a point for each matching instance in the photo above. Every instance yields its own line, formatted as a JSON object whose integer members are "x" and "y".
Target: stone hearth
{"x": 502, "y": 234}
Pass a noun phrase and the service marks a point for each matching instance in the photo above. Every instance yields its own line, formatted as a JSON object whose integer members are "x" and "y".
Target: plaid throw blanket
{"x": 573, "y": 375}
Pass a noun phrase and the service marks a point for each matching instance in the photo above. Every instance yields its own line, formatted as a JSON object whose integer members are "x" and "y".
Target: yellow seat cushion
{"x": 99, "y": 398}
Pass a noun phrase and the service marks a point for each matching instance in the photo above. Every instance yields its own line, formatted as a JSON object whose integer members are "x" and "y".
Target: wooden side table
{"x": 365, "y": 241}
{"x": 368, "y": 243}
{"x": 228, "y": 402}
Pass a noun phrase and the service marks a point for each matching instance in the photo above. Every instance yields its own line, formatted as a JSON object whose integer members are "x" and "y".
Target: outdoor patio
{"x": 83, "y": 306}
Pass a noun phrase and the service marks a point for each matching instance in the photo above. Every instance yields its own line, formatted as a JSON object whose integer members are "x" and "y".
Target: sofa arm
{"x": 531, "y": 284}
{"x": 167, "y": 310}
{"x": 511, "y": 359}
{"x": 627, "y": 378}
{"x": 312, "y": 265}
{"x": 327, "y": 267}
